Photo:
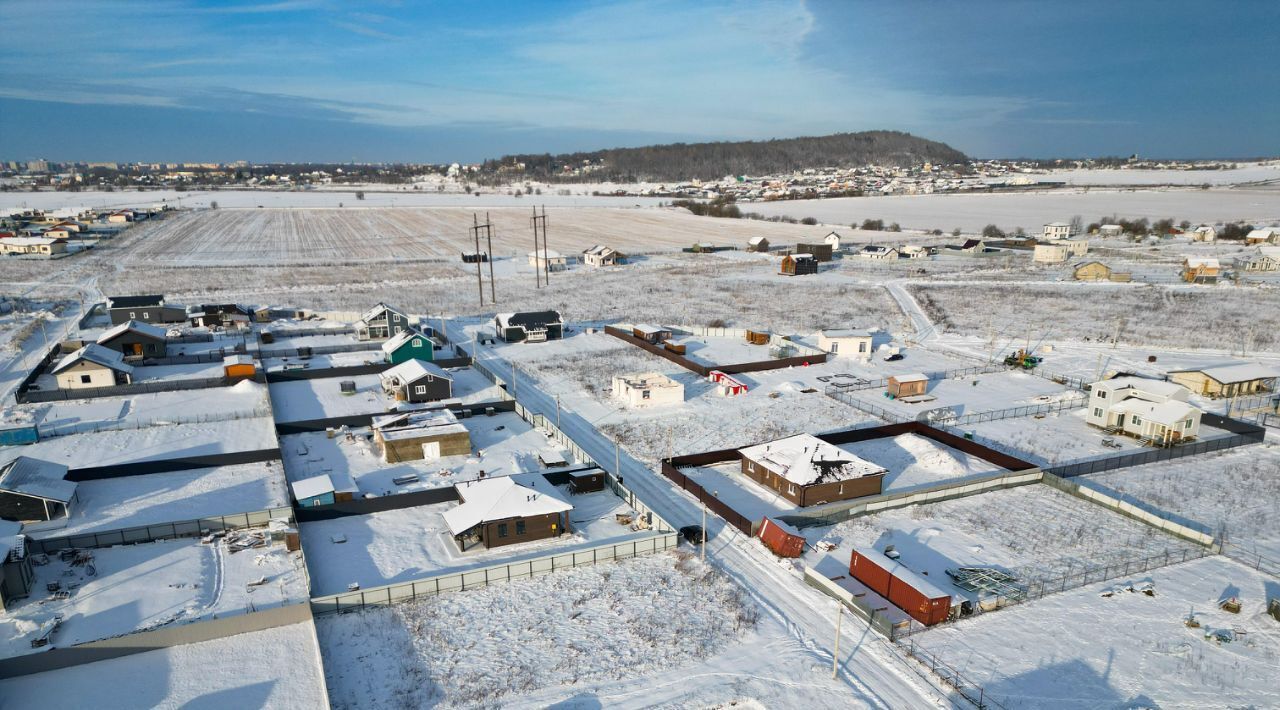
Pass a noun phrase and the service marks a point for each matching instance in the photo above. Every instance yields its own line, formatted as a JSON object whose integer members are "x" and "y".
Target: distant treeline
{"x": 711, "y": 161}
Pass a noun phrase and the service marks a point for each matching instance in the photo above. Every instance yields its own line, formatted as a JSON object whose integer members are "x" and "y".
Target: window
{"x": 1137, "y": 420}
{"x": 417, "y": 343}
{"x": 1102, "y": 394}
{"x": 1097, "y": 412}
{"x": 502, "y": 529}
{"x": 396, "y": 318}
{"x": 862, "y": 346}
{"x": 791, "y": 488}
{"x": 835, "y": 347}
{"x": 420, "y": 389}
{"x": 145, "y": 315}
{"x": 86, "y": 379}
{"x": 132, "y": 315}
{"x": 644, "y": 394}
{"x": 519, "y": 527}
{"x": 1186, "y": 424}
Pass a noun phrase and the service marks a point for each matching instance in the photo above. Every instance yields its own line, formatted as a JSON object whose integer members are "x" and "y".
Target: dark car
{"x": 894, "y": 357}
{"x": 693, "y": 534}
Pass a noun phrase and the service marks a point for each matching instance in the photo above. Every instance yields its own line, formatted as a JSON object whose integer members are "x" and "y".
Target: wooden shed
{"x": 907, "y": 385}
{"x": 588, "y": 481}
{"x": 1092, "y": 271}
{"x": 651, "y": 333}
{"x": 758, "y": 337}
{"x": 798, "y": 265}
{"x": 239, "y": 367}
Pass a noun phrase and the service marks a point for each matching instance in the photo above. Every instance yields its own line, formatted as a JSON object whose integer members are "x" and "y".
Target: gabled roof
{"x": 528, "y": 319}
{"x": 971, "y": 244}
{"x": 1200, "y": 262}
{"x": 805, "y": 460}
{"x": 546, "y": 254}
{"x": 97, "y": 355}
{"x": 600, "y": 250}
{"x": 414, "y": 370}
{"x": 1142, "y": 384}
{"x": 1167, "y": 413}
{"x": 144, "y": 329}
{"x": 912, "y": 377}
{"x": 491, "y": 499}
{"x": 312, "y": 487}
{"x": 1243, "y": 372}
{"x": 379, "y": 308}
{"x": 755, "y": 241}
{"x": 399, "y": 340}
{"x": 37, "y": 478}
{"x": 846, "y": 333}
{"x": 1260, "y": 234}
{"x": 135, "y": 301}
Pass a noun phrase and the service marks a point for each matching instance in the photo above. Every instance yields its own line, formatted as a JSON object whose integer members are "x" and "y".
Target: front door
{"x": 1120, "y": 421}
{"x": 431, "y": 450}
{"x": 136, "y": 349}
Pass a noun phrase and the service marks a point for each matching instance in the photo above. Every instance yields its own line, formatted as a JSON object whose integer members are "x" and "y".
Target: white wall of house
{"x": 84, "y": 375}
{"x": 858, "y": 346}
{"x": 639, "y": 393}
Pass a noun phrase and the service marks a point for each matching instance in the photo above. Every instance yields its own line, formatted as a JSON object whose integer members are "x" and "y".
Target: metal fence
{"x": 1252, "y": 559}
{"x": 843, "y": 394}
{"x": 1139, "y": 458}
{"x": 1073, "y": 382}
{"x": 935, "y": 375}
{"x": 319, "y": 349}
{"x": 950, "y": 677}
{"x": 474, "y": 579}
{"x": 61, "y": 395}
{"x": 55, "y": 429}
{"x": 1030, "y": 410}
{"x": 159, "y": 531}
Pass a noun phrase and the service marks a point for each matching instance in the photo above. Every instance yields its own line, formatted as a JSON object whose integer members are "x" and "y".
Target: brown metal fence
{"x": 719, "y": 507}
{"x": 729, "y": 369}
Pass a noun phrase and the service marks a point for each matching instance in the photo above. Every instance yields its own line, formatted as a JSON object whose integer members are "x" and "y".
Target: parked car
{"x": 894, "y": 357}
{"x": 693, "y": 534}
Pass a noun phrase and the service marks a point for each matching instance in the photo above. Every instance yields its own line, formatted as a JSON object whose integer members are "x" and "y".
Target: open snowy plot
{"x": 1178, "y": 316}
{"x": 1034, "y": 531}
{"x": 971, "y": 212}
{"x": 276, "y": 668}
{"x": 129, "y": 588}
{"x": 326, "y": 361}
{"x": 913, "y": 461}
{"x": 726, "y": 482}
{"x": 323, "y": 398}
{"x": 410, "y": 543}
{"x": 155, "y": 443}
{"x": 245, "y": 399}
{"x": 1081, "y": 649}
{"x": 500, "y": 446}
{"x": 323, "y": 340}
{"x": 174, "y": 496}
{"x": 711, "y": 351}
{"x": 566, "y": 636}
{"x": 171, "y": 373}
{"x": 1235, "y": 490}
{"x": 982, "y": 393}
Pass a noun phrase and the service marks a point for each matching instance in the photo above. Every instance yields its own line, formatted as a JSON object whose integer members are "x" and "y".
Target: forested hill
{"x": 708, "y": 161}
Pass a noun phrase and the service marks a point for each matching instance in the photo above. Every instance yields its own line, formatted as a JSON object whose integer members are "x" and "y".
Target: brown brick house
{"x": 808, "y": 471}
{"x": 506, "y": 510}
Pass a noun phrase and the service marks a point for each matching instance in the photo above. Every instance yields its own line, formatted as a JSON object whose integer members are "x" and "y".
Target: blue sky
{"x": 302, "y": 80}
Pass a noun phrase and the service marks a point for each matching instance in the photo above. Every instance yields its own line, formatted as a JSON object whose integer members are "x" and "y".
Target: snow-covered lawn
{"x": 1237, "y": 490}
{"x": 169, "y": 373}
{"x": 648, "y": 616}
{"x": 980, "y": 393}
{"x": 1035, "y": 531}
{"x": 275, "y": 668}
{"x": 501, "y": 445}
{"x": 323, "y": 398}
{"x": 145, "y": 586}
{"x": 175, "y": 496}
{"x": 155, "y": 443}
{"x": 1083, "y": 650}
{"x": 410, "y": 543}
{"x": 245, "y": 399}
{"x": 914, "y": 460}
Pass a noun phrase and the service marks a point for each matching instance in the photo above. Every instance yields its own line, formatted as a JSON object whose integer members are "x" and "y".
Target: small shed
{"x": 907, "y": 385}
{"x": 314, "y": 491}
{"x": 726, "y": 385}
{"x": 1092, "y": 271}
{"x": 239, "y": 366}
{"x": 552, "y": 458}
{"x": 758, "y": 244}
{"x": 758, "y": 337}
{"x": 651, "y": 333}
{"x": 798, "y": 265}
{"x": 588, "y": 481}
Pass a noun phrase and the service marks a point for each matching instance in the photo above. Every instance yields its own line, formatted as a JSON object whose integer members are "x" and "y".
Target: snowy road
{"x": 925, "y": 328}
{"x": 874, "y": 676}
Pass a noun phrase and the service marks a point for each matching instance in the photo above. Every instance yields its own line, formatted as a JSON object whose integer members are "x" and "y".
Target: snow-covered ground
{"x": 323, "y": 398}
{"x": 155, "y": 443}
{"x": 276, "y": 668}
{"x": 1244, "y": 173}
{"x": 145, "y": 586}
{"x": 1084, "y": 650}
{"x": 1034, "y": 531}
{"x": 980, "y": 393}
{"x": 1235, "y": 490}
{"x": 500, "y": 446}
{"x": 410, "y": 543}
{"x": 567, "y": 636}
{"x": 175, "y": 496}
{"x": 245, "y": 399}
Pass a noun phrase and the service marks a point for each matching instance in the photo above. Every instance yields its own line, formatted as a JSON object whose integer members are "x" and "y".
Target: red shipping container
{"x": 914, "y": 594}
{"x": 782, "y": 542}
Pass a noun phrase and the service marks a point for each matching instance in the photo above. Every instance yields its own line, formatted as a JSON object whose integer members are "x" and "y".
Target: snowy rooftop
{"x": 919, "y": 582}
{"x": 414, "y": 369}
{"x": 490, "y": 499}
{"x": 806, "y": 460}
{"x": 1157, "y": 388}
{"x": 1244, "y": 372}
{"x": 1202, "y": 262}
{"x": 1167, "y": 413}
{"x": 399, "y": 339}
{"x": 910, "y": 377}
{"x": 96, "y": 354}
{"x": 846, "y": 333}
{"x": 312, "y": 487}
{"x": 34, "y": 477}
{"x": 147, "y": 329}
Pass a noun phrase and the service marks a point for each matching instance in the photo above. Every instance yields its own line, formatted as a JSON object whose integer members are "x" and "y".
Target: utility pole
{"x": 835, "y": 657}
{"x": 557, "y": 411}
{"x": 540, "y": 220}
{"x": 475, "y": 231}
{"x": 513, "y": 380}
{"x": 488, "y": 230}
{"x": 704, "y": 528}
{"x": 537, "y": 275}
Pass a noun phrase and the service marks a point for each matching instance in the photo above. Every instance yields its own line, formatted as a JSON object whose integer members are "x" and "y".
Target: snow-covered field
{"x": 565, "y": 634}
{"x": 980, "y": 393}
{"x": 500, "y": 446}
{"x": 245, "y": 399}
{"x": 275, "y": 668}
{"x": 971, "y": 212}
{"x": 174, "y": 496}
{"x": 145, "y": 586}
{"x": 1237, "y": 490}
{"x": 410, "y": 543}
{"x": 323, "y": 398}
{"x": 156, "y": 443}
{"x": 1034, "y": 531}
{"x": 1245, "y": 172}
{"x": 1083, "y": 650}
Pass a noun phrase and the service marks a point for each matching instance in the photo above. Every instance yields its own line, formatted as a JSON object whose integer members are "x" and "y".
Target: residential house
{"x": 120, "y": 217}
{"x": 381, "y": 322}
{"x": 314, "y": 491}
{"x": 1228, "y": 380}
{"x": 969, "y": 246}
{"x": 136, "y": 340}
{"x": 1200, "y": 270}
{"x": 647, "y": 389}
{"x": 798, "y": 265}
{"x": 505, "y": 510}
{"x": 92, "y": 366}
{"x": 549, "y": 260}
{"x": 1204, "y": 233}
{"x": 879, "y": 253}
{"x": 228, "y": 316}
{"x": 35, "y": 490}
{"x": 821, "y": 252}
{"x": 758, "y": 244}
{"x": 1153, "y": 411}
{"x": 45, "y": 246}
{"x": 832, "y": 240}
{"x": 808, "y": 471}
{"x": 912, "y": 251}
{"x": 1266, "y": 258}
{"x": 910, "y": 385}
{"x": 1262, "y": 236}
{"x": 600, "y": 255}
{"x": 417, "y": 381}
{"x": 1110, "y": 230}
{"x": 1050, "y": 254}
{"x": 1057, "y": 230}
{"x": 529, "y": 326}
{"x": 408, "y": 345}
{"x": 415, "y": 436}
{"x": 846, "y": 342}
{"x": 147, "y": 309}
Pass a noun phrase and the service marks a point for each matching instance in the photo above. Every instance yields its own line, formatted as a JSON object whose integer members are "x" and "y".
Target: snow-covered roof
{"x": 1154, "y": 387}
{"x": 911, "y": 377}
{"x": 240, "y": 359}
{"x": 1202, "y": 262}
{"x": 490, "y": 499}
{"x": 1057, "y": 224}
{"x": 151, "y": 331}
{"x": 647, "y": 380}
{"x": 35, "y": 477}
{"x": 1260, "y": 234}
{"x": 412, "y": 370}
{"x": 97, "y": 355}
{"x": 1168, "y": 413}
{"x": 805, "y": 459}
{"x": 598, "y": 249}
{"x": 755, "y": 241}
{"x": 373, "y": 313}
{"x": 1244, "y": 372}
{"x": 798, "y": 257}
{"x": 399, "y": 339}
{"x": 312, "y": 487}
{"x": 919, "y": 582}
{"x": 545, "y": 254}
{"x": 647, "y": 329}
{"x": 33, "y": 241}
{"x": 846, "y": 333}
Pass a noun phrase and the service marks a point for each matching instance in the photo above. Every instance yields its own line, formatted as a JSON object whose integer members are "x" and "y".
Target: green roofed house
{"x": 408, "y": 345}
